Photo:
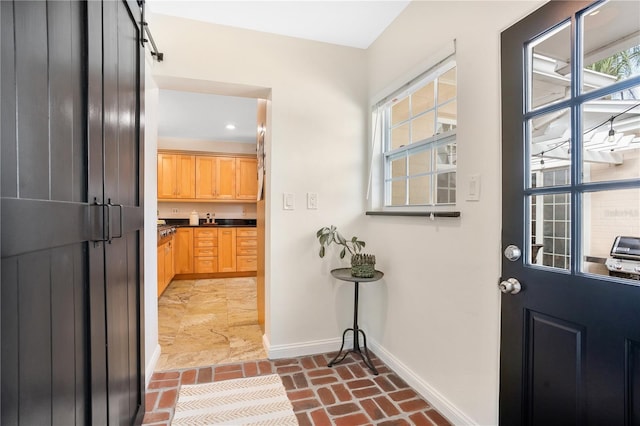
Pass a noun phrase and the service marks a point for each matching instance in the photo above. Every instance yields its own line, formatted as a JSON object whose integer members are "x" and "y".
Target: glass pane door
{"x": 582, "y": 122}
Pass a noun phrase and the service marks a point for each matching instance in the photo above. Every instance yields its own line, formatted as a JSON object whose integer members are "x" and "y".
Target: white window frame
{"x": 431, "y": 143}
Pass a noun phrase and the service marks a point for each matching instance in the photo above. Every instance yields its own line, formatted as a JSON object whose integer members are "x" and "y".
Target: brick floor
{"x": 347, "y": 394}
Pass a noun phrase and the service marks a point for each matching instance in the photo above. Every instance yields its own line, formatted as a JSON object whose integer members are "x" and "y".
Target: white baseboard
{"x": 152, "y": 365}
{"x": 305, "y": 348}
{"x": 439, "y": 402}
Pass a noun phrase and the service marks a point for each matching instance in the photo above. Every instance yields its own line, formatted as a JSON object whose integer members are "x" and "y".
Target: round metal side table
{"x": 344, "y": 274}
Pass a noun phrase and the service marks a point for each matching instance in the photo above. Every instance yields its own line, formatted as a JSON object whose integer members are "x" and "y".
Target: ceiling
{"x": 204, "y": 116}
{"x": 347, "y": 23}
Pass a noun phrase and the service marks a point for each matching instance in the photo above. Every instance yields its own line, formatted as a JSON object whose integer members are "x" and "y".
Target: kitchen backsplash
{"x": 179, "y": 210}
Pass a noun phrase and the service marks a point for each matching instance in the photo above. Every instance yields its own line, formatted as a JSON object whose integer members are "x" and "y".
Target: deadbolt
{"x": 512, "y": 252}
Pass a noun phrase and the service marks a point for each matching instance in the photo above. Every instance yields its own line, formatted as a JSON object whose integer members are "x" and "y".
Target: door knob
{"x": 510, "y": 286}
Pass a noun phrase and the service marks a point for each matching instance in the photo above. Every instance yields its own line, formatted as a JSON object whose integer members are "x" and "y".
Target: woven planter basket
{"x": 363, "y": 265}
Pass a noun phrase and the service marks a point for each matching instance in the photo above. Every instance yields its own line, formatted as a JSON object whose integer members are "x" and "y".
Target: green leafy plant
{"x": 329, "y": 235}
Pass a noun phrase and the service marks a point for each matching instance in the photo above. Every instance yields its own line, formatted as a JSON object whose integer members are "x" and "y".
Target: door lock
{"x": 512, "y": 252}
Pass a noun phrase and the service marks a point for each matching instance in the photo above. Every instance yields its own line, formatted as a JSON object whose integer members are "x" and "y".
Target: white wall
{"x": 315, "y": 143}
{"x": 219, "y": 147}
{"x": 435, "y": 314}
{"x": 167, "y": 210}
{"x": 151, "y": 347}
{"x": 437, "y": 309}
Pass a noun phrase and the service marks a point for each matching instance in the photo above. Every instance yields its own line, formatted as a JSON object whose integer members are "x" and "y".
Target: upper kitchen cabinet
{"x": 246, "y": 178}
{"x": 175, "y": 176}
{"x": 203, "y": 177}
{"x": 215, "y": 177}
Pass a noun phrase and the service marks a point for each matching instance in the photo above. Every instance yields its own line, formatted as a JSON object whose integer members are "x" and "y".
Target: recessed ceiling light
{"x": 230, "y": 126}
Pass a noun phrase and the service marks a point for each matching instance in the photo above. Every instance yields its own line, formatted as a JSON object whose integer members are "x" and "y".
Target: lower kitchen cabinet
{"x": 169, "y": 264}
{"x": 205, "y": 250}
{"x": 208, "y": 250}
{"x": 160, "y": 270}
{"x": 246, "y": 249}
{"x": 166, "y": 269}
{"x": 183, "y": 259}
{"x": 227, "y": 250}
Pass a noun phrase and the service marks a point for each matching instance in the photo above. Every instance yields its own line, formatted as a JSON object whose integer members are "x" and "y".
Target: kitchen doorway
{"x": 214, "y": 318}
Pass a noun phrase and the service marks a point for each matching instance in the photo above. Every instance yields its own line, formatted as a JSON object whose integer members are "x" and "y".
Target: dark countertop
{"x": 219, "y": 223}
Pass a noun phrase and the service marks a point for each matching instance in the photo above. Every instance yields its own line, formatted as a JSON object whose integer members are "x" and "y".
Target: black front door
{"x": 570, "y": 337}
{"x": 71, "y": 218}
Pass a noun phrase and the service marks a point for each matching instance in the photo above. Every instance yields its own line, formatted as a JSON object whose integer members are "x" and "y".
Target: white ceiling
{"x": 354, "y": 23}
{"x": 205, "y": 116}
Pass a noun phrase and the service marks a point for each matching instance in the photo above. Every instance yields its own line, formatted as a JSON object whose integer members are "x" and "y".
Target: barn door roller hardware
{"x": 146, "y": 34}
{"x": 154, "y": 49}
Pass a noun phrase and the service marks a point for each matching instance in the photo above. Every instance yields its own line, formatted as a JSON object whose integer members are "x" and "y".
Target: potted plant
{"x": 362, "y": 265}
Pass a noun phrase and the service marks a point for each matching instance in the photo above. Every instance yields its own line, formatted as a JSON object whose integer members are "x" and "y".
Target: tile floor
{"x": 345, "y": 395}
{"x": 208, "y": 332}
{"x": 206, "y": 322}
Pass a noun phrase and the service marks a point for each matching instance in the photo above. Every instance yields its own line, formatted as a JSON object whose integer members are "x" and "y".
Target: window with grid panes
{"x": 419, "y": 130}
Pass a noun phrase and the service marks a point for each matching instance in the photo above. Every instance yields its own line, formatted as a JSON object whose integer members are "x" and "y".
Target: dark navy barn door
{"x": 71, "y": 214}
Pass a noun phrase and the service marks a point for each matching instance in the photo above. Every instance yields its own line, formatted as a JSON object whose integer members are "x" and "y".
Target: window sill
{"x": 416, "y": 214}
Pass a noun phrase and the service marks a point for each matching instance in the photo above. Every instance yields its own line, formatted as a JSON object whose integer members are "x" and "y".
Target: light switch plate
{"x": 473, "y": 190}
{"x": 312, "y": 200}
{"x": 288, "y": 201}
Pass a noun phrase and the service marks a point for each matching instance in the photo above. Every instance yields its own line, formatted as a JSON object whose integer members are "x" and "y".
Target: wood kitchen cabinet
{"x": 215, "y": 177}
{"x": 205, "y": 250}
{"x": 175, "y": 176}
{"x": 169, "y": 265}
{"x": 166, "y": 269}
{"x": 211, "y": 250}
{"x": 183, "y": 243}
{"x": 246, "y": 249}
{"x": 227, "y": 250}
{"x": 160, "y": 270}
{"x": 246, "y": 179}
{"x": 206, "y": 177}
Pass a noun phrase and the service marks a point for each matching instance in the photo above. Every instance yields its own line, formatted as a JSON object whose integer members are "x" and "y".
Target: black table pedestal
{"x": 356, "y": 340}
{"x": 344, "y": 274}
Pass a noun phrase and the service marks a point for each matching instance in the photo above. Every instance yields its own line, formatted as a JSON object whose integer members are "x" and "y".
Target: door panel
{"x": 121, "y": 94}
{"x": 44, "y": 360}
{"x": 43, "y": 313}
{"x": 68, "y": 152}
{"x": 95, "y": 189}
{"x": 31, "y": 85}
{"x": 70, "y": 304}
{"x": 570, "y": 185}
{"x": 632, "y": 384}
{"x": 555, "y": 351}
{"x": 9, "y": 157}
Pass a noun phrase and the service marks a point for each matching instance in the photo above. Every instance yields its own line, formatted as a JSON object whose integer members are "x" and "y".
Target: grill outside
{"x": 625, "y": 258}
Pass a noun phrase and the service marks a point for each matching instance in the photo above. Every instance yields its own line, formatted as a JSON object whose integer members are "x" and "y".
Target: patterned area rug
{"x": 256, "y": 401}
